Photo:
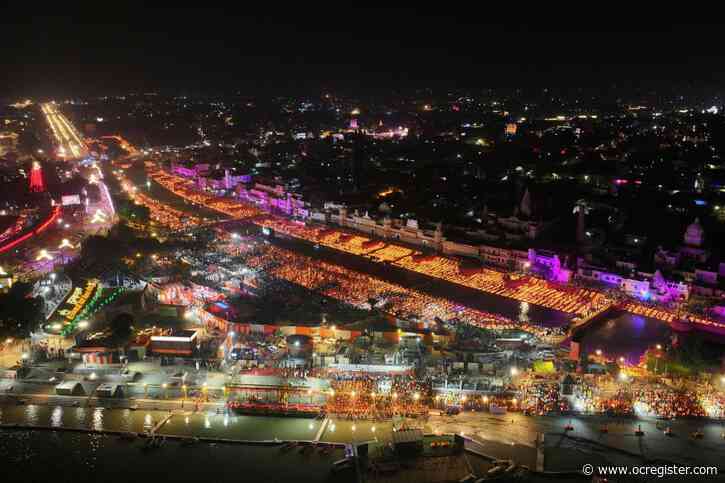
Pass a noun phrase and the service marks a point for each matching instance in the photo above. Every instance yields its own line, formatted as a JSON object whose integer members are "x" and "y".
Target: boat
{"x": 604, "y": 429}
{"x": 668, "y": 431}
{"x": 697, "y": 435}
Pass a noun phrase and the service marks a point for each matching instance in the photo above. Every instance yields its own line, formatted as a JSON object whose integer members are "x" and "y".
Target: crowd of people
{"x": 377, "y": 396}
{"x": 534, "y": 291}
{"x": 541, "y": 398}
{"x": 359, "y": 289}
{"x": 578, "y": 300}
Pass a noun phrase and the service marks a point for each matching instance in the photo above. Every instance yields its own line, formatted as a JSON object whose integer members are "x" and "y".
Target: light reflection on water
{"x": 625, "y": 335}
{"x": 56, "y": 419}
{"x": 80, "y": 415}
{"x": 98, "y": 419}
{"x": 148, "y": 422}
{"x": 31, "y": 414}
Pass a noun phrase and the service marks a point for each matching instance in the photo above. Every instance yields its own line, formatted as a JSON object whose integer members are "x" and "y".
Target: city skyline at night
{"x": 360, "y": 244}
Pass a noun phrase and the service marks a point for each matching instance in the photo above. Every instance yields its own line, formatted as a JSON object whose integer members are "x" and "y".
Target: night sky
{"x": 116, "y": 50}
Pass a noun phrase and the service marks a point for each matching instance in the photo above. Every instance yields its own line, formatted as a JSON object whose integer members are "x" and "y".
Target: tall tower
{"x": 37, "y": 185}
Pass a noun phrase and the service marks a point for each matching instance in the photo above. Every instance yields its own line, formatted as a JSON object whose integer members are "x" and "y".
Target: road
{"x": 69, "y": 143}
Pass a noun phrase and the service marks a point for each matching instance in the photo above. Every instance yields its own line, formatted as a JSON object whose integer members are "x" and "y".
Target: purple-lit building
{"x": 223, "y": 181}
{"x": 192, "y": 172}
{"x": 274, "y": 198}
{"x": 547, "y": 264}
{"x": 208, "y": 179}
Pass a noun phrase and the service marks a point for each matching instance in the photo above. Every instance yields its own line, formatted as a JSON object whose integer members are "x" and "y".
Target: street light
{"x": 514, "y": 371}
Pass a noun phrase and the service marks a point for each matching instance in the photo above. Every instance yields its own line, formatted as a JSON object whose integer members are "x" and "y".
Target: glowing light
{"x": 65, "y": 244}
{"x": 99, "y": 217}
{"x": 43, "y": 255}
{"x": 37, "y": 184}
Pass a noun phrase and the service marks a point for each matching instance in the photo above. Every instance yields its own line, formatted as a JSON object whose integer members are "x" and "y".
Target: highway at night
{"x": 69, "y": 144}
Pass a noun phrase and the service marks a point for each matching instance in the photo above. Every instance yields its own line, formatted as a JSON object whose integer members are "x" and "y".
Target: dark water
{"x": 79, "y": 456}
{"x": 57, "y": 456}
{"x": 625, "y": 335}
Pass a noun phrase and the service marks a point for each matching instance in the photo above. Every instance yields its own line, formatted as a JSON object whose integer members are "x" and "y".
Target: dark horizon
{"x": 353, "y": 49}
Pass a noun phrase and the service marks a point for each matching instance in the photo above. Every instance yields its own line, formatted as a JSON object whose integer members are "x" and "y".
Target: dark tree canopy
{"x": 19, "y": 313}
{"x": 121, "y": 327}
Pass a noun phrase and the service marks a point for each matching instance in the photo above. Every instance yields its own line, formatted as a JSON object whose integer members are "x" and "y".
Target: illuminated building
{"x": 36, "y": 179}
{"x": 6, "y": 280}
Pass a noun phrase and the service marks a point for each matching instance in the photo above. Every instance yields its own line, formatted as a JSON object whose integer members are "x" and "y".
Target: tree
{"x": 19, "y": 313}
{"x": 121, "y": 328}
{"x": 132, "y": 212}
